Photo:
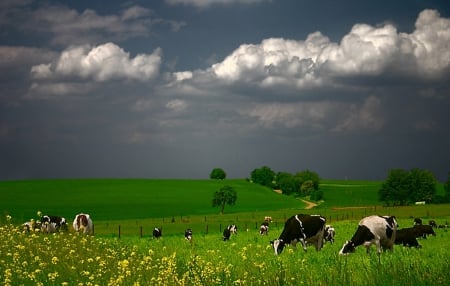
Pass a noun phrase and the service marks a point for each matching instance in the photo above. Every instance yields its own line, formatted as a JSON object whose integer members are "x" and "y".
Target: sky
{"x": 174, "y": 88}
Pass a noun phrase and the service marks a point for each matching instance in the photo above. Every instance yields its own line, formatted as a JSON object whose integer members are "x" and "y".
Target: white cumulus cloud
{"x": 101, "y": 63}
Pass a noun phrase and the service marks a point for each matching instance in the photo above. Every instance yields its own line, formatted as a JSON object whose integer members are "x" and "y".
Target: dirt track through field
{"x": 309, "y": 205}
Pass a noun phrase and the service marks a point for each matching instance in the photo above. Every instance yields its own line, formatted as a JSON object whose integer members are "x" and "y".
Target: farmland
{"x": 247, "y": 259}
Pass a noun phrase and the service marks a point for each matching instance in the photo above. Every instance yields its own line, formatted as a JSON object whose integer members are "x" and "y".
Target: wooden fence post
{"x": 119, "y": 230}
{"x": 141, "y": 230}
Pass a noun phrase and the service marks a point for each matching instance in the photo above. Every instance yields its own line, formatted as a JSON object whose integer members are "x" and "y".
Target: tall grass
{"x": 247, "y": 259}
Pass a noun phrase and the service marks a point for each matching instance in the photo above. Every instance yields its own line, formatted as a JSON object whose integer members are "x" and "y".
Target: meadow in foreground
{"x": 247, "y": 259}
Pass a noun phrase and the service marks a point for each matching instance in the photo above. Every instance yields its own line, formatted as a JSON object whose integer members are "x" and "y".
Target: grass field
{"x": 247, "y": 259}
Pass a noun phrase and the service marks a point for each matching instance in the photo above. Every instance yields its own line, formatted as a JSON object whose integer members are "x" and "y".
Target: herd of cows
{"x": 381, "y": 231}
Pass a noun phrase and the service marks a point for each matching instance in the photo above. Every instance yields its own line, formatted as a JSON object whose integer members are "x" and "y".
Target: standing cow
{"x": 303, "y": 228}
{"x": 157, "y": 232}
{"x": 330, "y": 233}
{"x": 264, "y": 228}
{"x": 378, "y": 230}
{"x": 51, "y": 224}
{"x": 188, "y": 234}
{"x": 83, "y": 224}
{"x": 232, "y": 228}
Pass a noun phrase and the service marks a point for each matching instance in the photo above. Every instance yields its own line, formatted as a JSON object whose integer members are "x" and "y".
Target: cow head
{"x": 348, "y": 247}
{"x": 278, "y": 245}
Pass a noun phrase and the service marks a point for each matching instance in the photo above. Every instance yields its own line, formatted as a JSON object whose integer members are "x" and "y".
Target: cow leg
{"x": 303, "y": 243}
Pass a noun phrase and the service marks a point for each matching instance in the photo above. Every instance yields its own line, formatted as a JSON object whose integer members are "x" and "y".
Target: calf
{"x": 330, "y": 232}
{"x": 188, "y": 234}
{"x": 157, "y": 232}
{"x": 301, "y": 227}
{"x": 83, "y": 224}
{"x": 378, "y": 230}
{"x": 407, "y": 237}
{"x": 50, "y": 223}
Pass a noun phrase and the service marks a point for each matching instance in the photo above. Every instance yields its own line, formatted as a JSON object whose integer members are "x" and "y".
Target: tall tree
{"x": 447, "y": 188}
{"x": 405, "y": 187}
{"x": 307, "y": 181}
{"x": 263, "y": 176}
{"x": 285, "y": 182}
{"x": 225, "y": 196}
{"x": 217, "y": 174}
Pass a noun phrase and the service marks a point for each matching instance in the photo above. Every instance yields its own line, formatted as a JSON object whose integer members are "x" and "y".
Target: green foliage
{"x": 406, "y": 187}
{"x": 308, "y": 175}
{"x": 263, "y": 176}
{"x": 316, "y": 195}
{"x": 217, "y": 174}
{"x": 286, "y": 183}
{"x": 447, "y": 188}
{"x": 225, "y": 196}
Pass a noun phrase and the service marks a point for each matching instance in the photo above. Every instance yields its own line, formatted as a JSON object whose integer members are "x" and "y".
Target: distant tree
{"x": 422, "y": 184}
{"x": 285, "y": 182}
{"x": 307, "y": 188}
{"x": 316, "y": 195}
{"x": 405, "y": 187}
{"x": 447, "y": 188}
{"x": 217, "y": 174}
{"x": 263, "y": 176}
{"x": 304, "y": 176}
{"x": 225, "y": 196}
{"x": 394, "y": 191}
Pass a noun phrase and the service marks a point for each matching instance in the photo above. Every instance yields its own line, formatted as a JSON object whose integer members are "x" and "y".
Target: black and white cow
{"x": 50, "y": 224}
{"x": 232, "y": 228}
{"x": 330, "y": 233}
{"x": 378, "y": 230}
{"x": 407, "y": 237}
{"x": 424, "y": 230}
{"x": 157, "y": 232}
{"x": 82, "y": 223}
{"x": 303, "y": 228}
{"x": 188, "y": 234}
{"x": 417, "y": 221}
{"x": 264, "y": 228}
{"x": 31, "y": 225}
{"x": 432, "y": 223}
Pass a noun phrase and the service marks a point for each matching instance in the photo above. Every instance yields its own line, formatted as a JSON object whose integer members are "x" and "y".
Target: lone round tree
{"x": 226, "y": 195}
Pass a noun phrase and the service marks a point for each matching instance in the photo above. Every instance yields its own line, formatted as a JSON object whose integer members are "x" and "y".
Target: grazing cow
{"x": 226, "y": 234}
{"x": 50, "y": 223}
{"x": 83, "y": 224}
{"x": 232, "y": 228}
{"x": 330, "y": 232}
{"x": 303, "y": 228}
{"x": 268, "y": 219}
{"x": 157, "y": 232}
{"x": 423, "y": 230}
{"x": 417, "y": 221}
{"x": 188, "y": 234}
{"x": 432, "y": 223}
{"x": 264, "y": 228}
{"x": 378, "y": 230}
{"x": 407, "y": 237}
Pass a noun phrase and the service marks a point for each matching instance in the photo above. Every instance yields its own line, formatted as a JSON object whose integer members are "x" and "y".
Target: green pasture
{"x": 133, "y": 207}
{"x": 131, "y": 199}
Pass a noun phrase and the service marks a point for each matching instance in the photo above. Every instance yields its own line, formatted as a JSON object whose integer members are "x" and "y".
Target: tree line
{"x": 401, "y": 187}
